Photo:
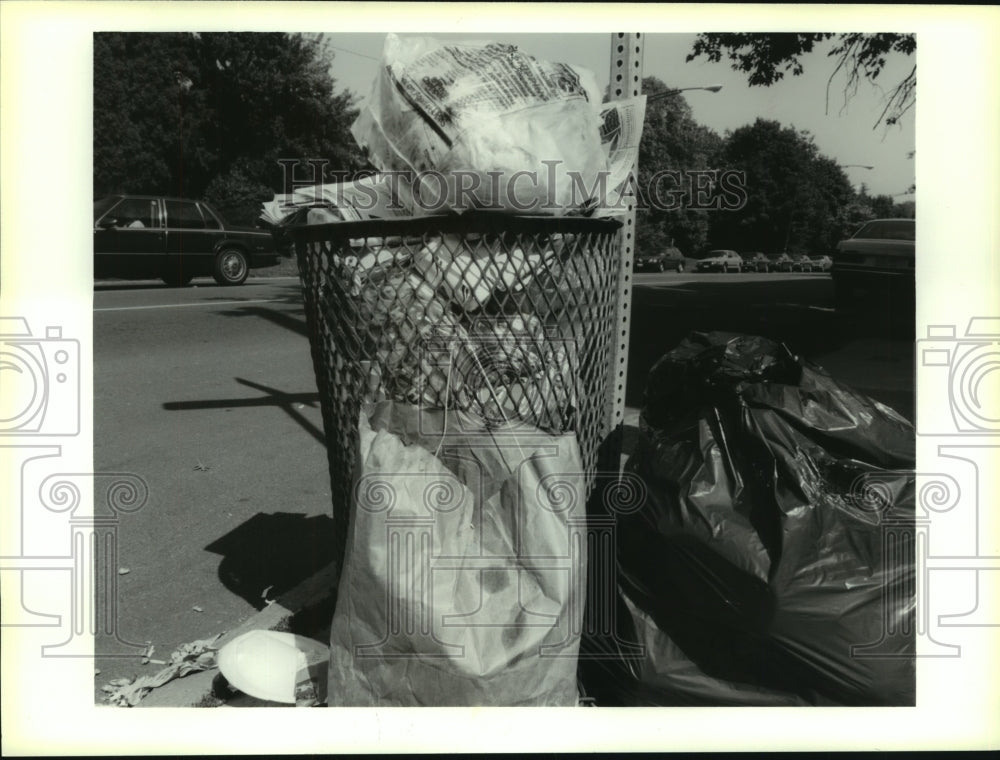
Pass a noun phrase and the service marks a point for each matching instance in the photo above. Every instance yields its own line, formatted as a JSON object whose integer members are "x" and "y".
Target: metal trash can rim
{"x": 470, "y": 221}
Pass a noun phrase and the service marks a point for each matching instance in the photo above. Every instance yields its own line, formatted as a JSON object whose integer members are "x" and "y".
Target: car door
{"x": 191, "y": 238}
{"x": 129, "y": 239}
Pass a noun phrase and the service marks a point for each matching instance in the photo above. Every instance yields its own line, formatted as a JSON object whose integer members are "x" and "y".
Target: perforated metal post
{"x": 624, "y": 81}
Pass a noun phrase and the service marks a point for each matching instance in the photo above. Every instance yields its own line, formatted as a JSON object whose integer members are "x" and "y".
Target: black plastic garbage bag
{"x": 774, "y": 548}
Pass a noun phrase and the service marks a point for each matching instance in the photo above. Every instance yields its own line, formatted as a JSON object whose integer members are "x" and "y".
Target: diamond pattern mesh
{"x": 507, "y": 319}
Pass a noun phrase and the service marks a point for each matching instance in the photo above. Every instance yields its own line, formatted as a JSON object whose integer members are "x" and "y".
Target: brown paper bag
{"x": 465, "y": 569}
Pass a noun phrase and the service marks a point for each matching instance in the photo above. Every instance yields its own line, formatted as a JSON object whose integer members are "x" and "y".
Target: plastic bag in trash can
{"x": 775, "y": 547}
{"x": 526, "y": 133}
{"x": 461, "y": 584}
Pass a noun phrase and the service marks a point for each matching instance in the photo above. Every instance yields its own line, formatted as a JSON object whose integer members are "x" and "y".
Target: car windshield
{"x": 888, "y": 229}
{"x": 776, "y": 256}
{"x": 101, "y": 206}
{"x": 713, "y": 254}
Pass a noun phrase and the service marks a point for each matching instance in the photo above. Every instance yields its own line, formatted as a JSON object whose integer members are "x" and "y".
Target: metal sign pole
{"x": 625, "y": 81}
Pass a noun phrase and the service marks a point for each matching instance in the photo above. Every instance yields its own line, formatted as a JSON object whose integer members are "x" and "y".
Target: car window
{"x": 211, "y": 222}
{"x": 889, "y": 229}
{"x": 103, "y": 205}
{"x": 185, "y": 215}
{"x": 136, "y": 213}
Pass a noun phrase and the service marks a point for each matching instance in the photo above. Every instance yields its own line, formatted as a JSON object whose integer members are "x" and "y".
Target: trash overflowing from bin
{"x": 461, "y": 350}
{"x": 463, "y": 374}
{"x": 479, "y": 126}
{"x": 772, "y": 560}
{"x": 488, "y": 114}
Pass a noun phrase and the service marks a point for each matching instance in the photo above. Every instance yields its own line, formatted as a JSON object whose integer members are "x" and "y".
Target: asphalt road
{"x": 207, "y": 393}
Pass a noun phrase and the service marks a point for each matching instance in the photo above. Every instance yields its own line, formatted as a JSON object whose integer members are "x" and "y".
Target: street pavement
{"x": 208, "y": 395}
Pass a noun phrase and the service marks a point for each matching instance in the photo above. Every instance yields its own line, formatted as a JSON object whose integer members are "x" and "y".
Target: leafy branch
{"x": 765, "y": 58}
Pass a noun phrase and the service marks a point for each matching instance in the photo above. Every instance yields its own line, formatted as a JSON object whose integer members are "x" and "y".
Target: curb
{"x": 196, "y": 690}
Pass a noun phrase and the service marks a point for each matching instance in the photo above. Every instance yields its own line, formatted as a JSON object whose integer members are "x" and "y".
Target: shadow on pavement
{"x": 270, "y": 554}
{"x": 287, "y": 295}
{"x": 296, "y": 324}
{"x": 274, "y": 397}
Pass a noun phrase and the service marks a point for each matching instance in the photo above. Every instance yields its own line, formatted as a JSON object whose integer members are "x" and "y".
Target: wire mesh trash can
{"x": 509, "y": 319}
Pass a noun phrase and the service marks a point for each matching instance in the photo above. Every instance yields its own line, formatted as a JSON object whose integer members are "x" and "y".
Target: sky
{"x": 843, "y": 134}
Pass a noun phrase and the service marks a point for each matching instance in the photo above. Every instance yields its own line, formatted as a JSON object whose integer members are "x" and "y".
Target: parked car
{"x": 802, "y": 263}
{"x": 876, "y": 265}
{"x": 755, "y": 262}
{"x": 720, "y": 261}
{"x": 660, "y": 261}
{"x": 779, "y": 262}
{"x": 174, "y": 239}
{"x": 822, "y": 263}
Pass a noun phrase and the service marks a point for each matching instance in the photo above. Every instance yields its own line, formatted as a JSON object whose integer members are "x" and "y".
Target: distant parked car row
{"x": 723, "y": 260}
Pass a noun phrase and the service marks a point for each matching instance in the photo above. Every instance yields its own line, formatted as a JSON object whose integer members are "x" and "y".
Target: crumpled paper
{"x": 189, "y": 658}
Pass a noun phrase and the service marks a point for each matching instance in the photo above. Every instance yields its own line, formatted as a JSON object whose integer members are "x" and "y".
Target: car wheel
{"x": 661, "y": 267}
{"x": 231, "y": 267}
{"x": 680, "y": 268}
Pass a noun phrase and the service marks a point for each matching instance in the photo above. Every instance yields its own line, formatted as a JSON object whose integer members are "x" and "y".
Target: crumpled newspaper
{"x": 189, "y": 658}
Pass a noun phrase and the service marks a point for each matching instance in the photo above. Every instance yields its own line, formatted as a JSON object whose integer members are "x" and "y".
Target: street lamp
{"x": 856, "y": 166}
{"x": 670, "y": 93}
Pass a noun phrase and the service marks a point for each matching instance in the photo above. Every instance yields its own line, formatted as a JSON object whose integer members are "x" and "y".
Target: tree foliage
{"x": 796, "y": 198}
{"x": 765, "y": 58}
{"x": 210, "y": 115}
{"x": 672, "y": 140}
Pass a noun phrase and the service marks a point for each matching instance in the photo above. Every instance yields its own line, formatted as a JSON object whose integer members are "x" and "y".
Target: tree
{"x": 671, "y": 141}
{"x": 795, "y": 196}
{"x": 766, "y": 57}
{"x": 210, "y": 115}
{"x": 144, "y": 113}
{"x": 882, "y": 206}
